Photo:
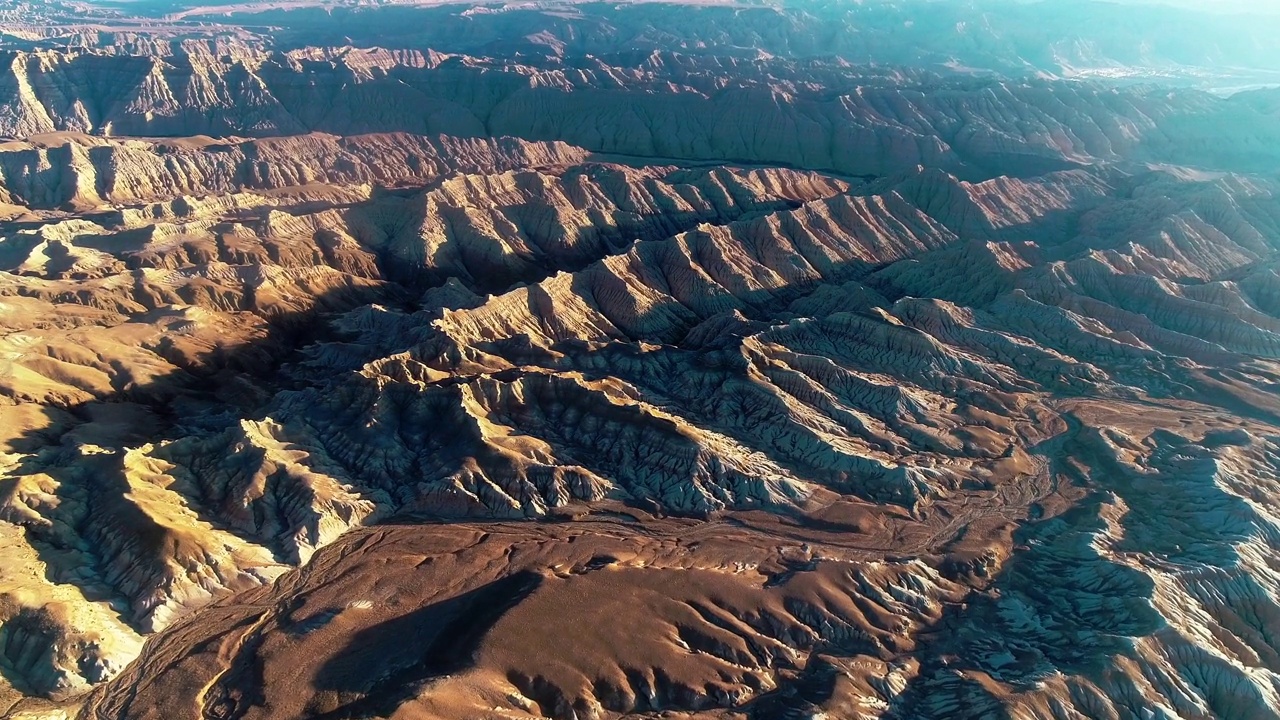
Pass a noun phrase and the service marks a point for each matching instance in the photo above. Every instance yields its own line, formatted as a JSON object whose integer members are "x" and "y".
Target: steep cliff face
{"x": 816, "y": 114}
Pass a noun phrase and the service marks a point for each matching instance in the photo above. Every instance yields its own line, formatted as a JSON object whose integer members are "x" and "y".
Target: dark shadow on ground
{"x": 383, "y": 666}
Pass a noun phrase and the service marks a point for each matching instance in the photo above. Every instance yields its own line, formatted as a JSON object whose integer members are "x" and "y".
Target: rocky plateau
{"x": 564, "y": 360}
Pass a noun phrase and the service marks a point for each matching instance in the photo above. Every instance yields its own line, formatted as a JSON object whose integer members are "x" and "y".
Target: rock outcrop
{"x": 813, "y": 114}
{"x": 600, "y": 373}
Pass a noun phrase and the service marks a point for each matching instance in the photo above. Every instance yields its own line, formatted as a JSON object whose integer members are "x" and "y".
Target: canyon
{"x": 578, "y": 361}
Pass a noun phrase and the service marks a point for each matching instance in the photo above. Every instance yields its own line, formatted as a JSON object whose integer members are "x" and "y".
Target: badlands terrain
{"x": 722, "y": 360}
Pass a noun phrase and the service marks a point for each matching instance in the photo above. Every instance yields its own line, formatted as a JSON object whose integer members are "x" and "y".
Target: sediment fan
{"x": 654, "y": 360}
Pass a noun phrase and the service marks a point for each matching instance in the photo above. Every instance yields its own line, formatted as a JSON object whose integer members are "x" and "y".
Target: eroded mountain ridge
{"x": 366, "y": 383}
